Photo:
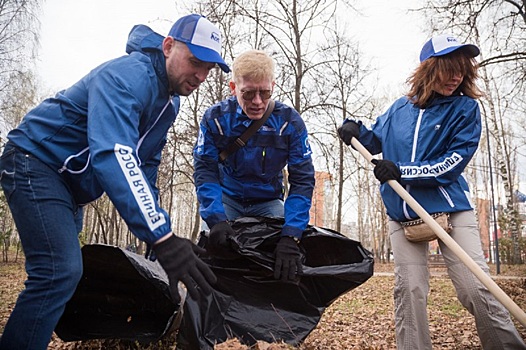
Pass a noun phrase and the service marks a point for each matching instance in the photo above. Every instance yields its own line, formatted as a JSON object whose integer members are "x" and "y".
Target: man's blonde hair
{"x": 254, "y": 65}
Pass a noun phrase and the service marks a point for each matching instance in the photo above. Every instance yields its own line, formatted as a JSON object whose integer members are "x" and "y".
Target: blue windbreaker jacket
{"x": 254, "y": 172}
{"x": 431, "y": 147}
{"x": 106, "y": 133}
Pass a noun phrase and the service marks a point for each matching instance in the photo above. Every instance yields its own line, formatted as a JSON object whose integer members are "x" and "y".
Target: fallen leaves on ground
{"x": 360, "y": 319}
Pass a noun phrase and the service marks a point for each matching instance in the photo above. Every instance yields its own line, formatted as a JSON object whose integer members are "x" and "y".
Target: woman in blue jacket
{"x": 103, "y": 134}
{"x": 427, "y": 138}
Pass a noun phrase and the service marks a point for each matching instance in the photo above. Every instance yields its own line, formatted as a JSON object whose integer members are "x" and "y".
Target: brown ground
{"x": 360, "y": 319}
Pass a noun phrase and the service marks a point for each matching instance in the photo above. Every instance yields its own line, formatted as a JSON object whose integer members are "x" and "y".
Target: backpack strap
{"x": 241, "y": 141}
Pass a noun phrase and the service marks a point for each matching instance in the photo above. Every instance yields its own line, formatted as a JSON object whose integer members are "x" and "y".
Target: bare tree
{"x": 289, "y": 30}
{"x": 19, "y": 36}
{"x": 498, "y": 28}
{"x": 341, "y": 78}
{"x": 21, "y": 97}
{"x": 18, "y": 40}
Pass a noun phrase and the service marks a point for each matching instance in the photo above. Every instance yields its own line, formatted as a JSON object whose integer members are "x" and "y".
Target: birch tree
{"x": 19, "y": 36}
{"x": 498, "y": 28}
{"x": 342, "y": 94}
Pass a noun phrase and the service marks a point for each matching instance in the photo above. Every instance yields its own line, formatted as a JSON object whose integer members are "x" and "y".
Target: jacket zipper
{"x": 447, "y": 196}
{"x": 264, "y": 160}
{"x": 65, "y": 164}
{"x": 413, "y": 156}
{"x": 148, "y": 131}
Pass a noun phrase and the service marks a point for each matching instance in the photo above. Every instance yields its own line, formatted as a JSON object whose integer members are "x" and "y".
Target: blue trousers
{"x": 48, "y": 222}
{"x": 235, "y": 209}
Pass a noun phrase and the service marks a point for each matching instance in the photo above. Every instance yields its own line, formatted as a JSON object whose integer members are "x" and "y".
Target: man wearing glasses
{"x": 249, "y": 182}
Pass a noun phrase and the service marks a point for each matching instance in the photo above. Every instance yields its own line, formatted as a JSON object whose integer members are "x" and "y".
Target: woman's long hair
{"x": 440, "y": 69}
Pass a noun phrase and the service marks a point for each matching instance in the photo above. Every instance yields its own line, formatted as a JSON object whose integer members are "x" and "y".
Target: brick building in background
{"x": 484, "y": 221}
{"x": 487, "y": 227}
{"x": 322, "y": 215}
{"x": 483, "y": 217}
{"x": 321, "y": 211}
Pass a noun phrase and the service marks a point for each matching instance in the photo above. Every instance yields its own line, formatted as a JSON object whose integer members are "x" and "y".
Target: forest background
{"x": 323, "y": 72}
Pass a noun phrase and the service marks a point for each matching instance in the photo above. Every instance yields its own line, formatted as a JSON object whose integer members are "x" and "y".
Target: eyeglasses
{"x": 249, "y": 95}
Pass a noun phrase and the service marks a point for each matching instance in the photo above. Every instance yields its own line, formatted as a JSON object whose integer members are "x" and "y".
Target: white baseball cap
{"x": 202, "y": 37}
{"x": 443, "y": 44}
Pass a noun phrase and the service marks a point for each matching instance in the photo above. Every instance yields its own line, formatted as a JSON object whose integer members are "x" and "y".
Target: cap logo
{"x": 205, "y": 35}
{"x": 444, "y": 44}
{"x": 216, "y": 37}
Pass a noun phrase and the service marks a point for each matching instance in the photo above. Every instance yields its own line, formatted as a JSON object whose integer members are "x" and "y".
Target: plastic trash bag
{"x": 249, "y": 304}
{"x": 122, "y": 295}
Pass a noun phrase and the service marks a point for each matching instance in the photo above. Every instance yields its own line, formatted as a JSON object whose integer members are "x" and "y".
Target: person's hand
{"x": 178, "y": 257}
{"x": 218, "y": 244}
{"x": 288, "y": 259}
{"x": 349, "y": 130}
{"x": 385, "y": 170}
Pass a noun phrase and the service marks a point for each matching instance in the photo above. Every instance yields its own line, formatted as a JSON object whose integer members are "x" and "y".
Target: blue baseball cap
{"x": 443, "y": 44}
{"x": 202, "y": 37}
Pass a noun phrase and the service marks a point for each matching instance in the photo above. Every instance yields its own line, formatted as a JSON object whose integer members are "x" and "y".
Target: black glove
{"x": 218, "y": 244}
{"x": 385, "y": 170}
{"x": 178, "y": 257}
{"x": 149, "y": 254}
{"x": 288, "y": 259}
{"x": 349, "y": 130}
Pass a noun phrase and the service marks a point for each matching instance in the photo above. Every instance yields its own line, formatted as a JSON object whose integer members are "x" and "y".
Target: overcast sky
{"x": 78, "y": 35}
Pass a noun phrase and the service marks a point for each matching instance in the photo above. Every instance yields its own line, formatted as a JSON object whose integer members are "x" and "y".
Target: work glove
{"x": 178, "y": 257}
{"x": 385, "y": 170}
{"x": 288, "y": 259}
{"x": 149, "y": 254}
{"x": 218, "y": 244}
{"x": 349, "y": 130}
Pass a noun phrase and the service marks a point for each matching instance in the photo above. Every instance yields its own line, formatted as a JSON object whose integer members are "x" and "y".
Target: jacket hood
{"x": 143, "y": 39}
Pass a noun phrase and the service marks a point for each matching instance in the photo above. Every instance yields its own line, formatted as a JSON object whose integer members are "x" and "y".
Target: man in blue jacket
{"x": 249, "y": 182}
{"x": 103, "y": 134}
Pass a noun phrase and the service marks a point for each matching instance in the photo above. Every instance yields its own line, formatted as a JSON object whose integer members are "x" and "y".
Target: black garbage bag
{"x": 247, "y": 303}
{"x": 121, "y": 295}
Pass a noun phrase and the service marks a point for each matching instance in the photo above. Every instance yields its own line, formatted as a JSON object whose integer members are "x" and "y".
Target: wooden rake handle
{"x": 486, "y": 280}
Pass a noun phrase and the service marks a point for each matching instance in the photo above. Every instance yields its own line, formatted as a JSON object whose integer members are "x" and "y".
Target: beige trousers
{"x": 494, "y": 326}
